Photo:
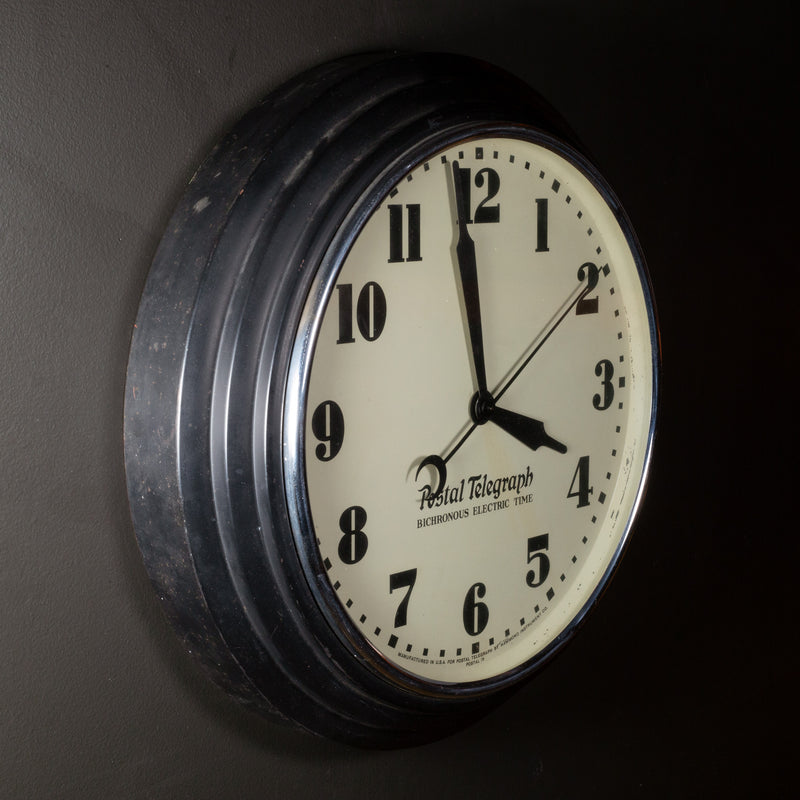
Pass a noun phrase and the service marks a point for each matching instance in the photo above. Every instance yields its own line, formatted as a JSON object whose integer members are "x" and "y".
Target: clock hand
{"x": 587, "y": 270}
{"x": 468, "y": 271}
{"x": 439, "y": 464}
{"x": 524, "y": 429}
{"x": 527, "y": 430}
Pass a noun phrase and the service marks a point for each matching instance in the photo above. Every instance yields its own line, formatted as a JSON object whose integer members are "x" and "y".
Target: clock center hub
{"x": 481, "y": 407}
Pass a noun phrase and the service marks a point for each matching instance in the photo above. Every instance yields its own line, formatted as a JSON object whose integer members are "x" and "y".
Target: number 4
{"x": 581, "y": 478}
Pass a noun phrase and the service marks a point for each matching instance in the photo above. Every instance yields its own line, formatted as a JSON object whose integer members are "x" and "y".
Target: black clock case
{"x": 206, "y": 382}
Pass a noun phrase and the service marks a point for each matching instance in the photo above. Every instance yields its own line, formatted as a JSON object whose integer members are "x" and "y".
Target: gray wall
{"x": 677, "y": 685}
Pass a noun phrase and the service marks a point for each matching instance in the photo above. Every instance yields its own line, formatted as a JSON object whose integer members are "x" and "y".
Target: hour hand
{"x": 527, "y": 430}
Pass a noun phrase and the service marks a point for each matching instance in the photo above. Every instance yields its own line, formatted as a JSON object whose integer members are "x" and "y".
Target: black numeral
{"x": 327, "y": 424}
{"x": 580, "y": 483}
{"x": 401, "y": 580}
{"x": 489, "y": 179}
{"x": 538, "y": 573}
{"x": 476, "y": 614}
{"x": 541, "y": 225}
{"x": 412, "y": 243}
{"x": 484, "y": 212}
{"x": 353, "y": 545}
{"x": 370, "y": 312}
{"x": 604, "y": 369}
{"x": 588, "y": 305}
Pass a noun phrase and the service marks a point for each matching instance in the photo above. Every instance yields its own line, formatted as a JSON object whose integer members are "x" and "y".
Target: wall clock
{"x": 391, "y": 397}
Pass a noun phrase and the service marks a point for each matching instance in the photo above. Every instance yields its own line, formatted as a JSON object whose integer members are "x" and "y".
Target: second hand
{"x": 578, "y": 294}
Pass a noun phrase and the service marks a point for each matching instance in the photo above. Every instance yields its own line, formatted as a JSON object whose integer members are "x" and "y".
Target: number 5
{"x": 538, "y": 575}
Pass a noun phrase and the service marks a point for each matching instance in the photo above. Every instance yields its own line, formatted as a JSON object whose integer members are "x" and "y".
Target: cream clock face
{"x": 478, "y": 405}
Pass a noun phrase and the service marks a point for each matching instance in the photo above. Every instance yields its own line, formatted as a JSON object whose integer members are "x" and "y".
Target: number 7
{"x": 397, "y": 581}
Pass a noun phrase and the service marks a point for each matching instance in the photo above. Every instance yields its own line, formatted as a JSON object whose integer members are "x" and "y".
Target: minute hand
{"x": 468, "y": 271}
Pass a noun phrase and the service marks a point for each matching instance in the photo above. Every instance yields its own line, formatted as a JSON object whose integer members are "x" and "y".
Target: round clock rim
{"x": 295, "y": 482}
